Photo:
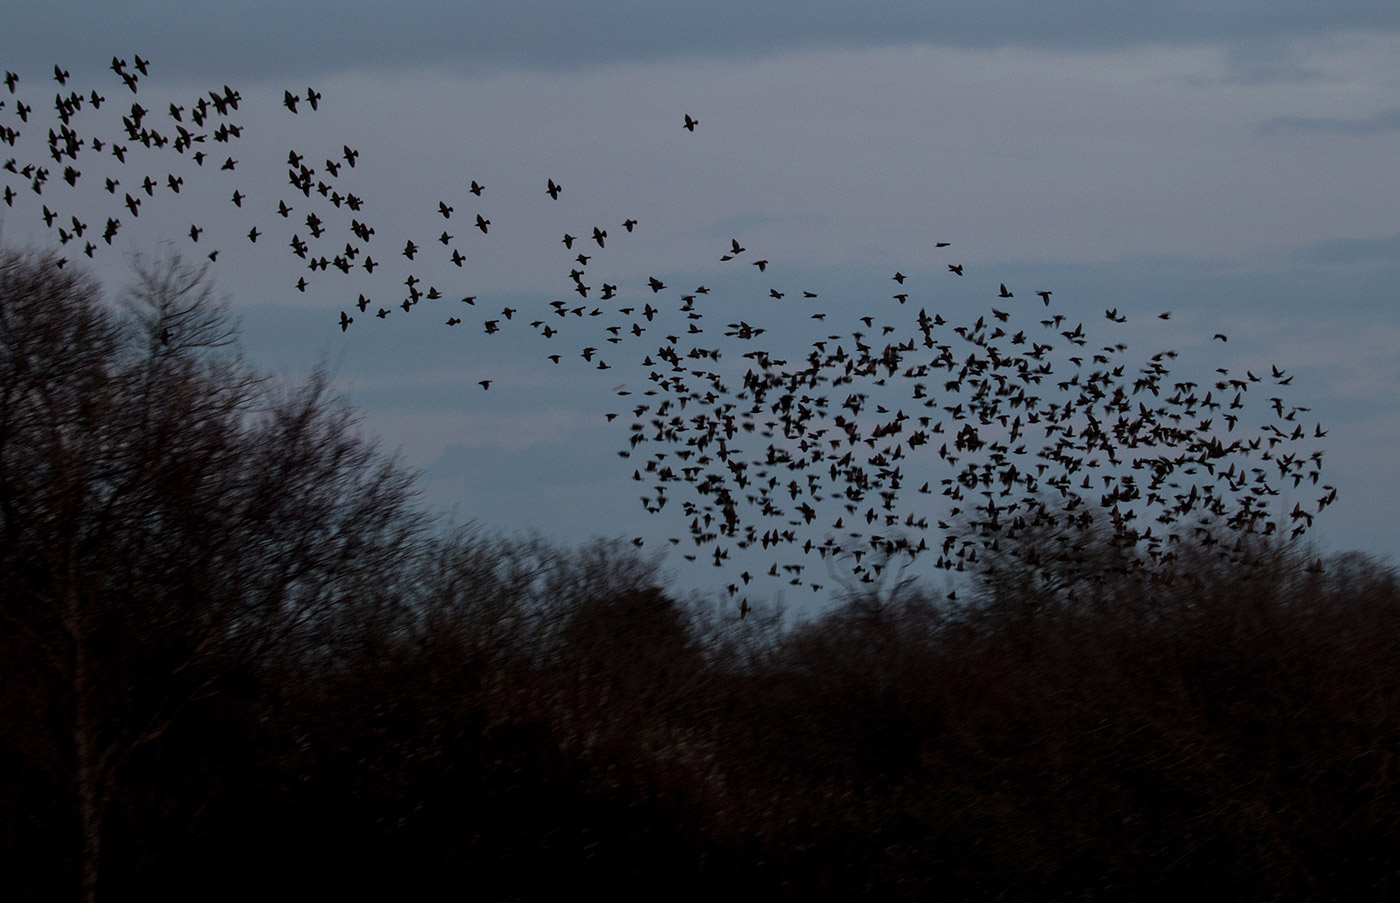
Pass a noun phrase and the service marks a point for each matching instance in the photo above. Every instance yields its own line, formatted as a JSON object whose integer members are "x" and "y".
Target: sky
{"x": 1234, "y": 164}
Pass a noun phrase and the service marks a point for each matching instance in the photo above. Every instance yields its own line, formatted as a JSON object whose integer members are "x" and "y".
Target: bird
{"x": 482, "y": 223}
{"x": 985, "y": 391}
{"x": 691, "y": 123}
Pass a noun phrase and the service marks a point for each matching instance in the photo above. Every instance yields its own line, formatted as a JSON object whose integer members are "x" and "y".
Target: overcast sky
{"x": 1237, "y": 164}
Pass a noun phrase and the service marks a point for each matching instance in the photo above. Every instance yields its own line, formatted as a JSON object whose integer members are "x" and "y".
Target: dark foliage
{"x": 236, "y": 665}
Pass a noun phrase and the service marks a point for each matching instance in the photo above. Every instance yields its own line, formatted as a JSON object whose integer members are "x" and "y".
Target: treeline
{"x": 238, "y": 661}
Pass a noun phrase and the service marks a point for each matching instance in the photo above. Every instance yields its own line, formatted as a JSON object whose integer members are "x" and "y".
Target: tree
{"x": 167, "y": 519}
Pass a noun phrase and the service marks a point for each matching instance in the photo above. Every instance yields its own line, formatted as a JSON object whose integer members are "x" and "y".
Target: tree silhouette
{"x": 167, "y": 516}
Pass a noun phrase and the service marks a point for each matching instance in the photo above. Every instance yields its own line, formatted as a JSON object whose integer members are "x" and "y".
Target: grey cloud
{"x": 1384, "y": 121}
{"x": 1357, "y": 250}
{"x": 316, "y": 36}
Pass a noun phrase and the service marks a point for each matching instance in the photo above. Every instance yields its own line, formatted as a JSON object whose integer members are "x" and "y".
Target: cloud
{"x": 1357, "y": 250}
{"x": 1377, "y": 123}
{"x": 277, "y": 38}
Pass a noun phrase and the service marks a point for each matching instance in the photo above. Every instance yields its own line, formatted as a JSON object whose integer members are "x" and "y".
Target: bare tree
{"x": 166, "y": 516}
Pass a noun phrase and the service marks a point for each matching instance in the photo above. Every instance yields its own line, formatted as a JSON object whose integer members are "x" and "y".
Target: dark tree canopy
{"x": 166, "y": 516}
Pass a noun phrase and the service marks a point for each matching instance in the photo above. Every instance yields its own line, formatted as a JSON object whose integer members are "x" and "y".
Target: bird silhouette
{"x": 999, "y": 423}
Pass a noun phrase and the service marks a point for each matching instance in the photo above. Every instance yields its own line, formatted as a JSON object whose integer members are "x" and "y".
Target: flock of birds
{"x": 893, "y": 434}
